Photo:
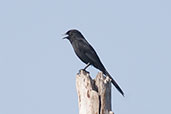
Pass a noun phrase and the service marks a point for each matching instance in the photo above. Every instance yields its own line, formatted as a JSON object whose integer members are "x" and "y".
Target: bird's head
{"x": 73, "y": 34}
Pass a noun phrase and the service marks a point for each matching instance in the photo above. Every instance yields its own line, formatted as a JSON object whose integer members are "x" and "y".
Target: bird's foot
{"x": 83, "y": 71}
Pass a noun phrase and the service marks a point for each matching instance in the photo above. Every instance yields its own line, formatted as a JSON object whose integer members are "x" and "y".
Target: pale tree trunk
{"x": 94, "y": 96}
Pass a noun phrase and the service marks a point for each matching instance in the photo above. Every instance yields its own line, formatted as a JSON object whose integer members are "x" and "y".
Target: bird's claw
{"x": 83, "y": 71}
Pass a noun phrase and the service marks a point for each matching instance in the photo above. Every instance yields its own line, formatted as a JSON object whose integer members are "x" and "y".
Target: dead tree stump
{"x": 94, "y": 96}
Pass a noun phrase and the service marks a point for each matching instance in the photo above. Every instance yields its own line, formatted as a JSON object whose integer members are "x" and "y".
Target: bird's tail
{"x": 114, "y": 83}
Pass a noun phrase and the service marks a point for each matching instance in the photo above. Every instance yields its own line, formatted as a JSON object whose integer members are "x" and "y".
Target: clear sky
{"x": 38, "y": 68}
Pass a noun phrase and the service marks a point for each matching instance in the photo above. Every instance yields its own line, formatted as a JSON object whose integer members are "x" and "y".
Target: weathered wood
{"x": 94, "y": 96}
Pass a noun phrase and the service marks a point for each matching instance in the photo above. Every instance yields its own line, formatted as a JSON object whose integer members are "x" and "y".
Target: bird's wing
{"x": 87, "y": 49}
{"x": 91, "y": 54}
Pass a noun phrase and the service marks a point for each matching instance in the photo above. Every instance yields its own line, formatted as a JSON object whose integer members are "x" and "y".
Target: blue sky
{"x": 38, "y": 68}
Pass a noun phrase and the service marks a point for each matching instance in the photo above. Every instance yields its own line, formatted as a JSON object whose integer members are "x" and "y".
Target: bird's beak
{"x": 66, "y": 37}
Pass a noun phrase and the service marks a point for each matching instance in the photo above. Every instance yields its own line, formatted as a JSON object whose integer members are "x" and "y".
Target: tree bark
{"x": 94, "y": 96}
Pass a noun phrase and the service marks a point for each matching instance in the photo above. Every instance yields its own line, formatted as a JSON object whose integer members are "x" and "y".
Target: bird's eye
{"x": 70, "y": 33}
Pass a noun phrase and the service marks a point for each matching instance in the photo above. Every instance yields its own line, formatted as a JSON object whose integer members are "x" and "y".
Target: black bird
{"x": 87, "y": 54}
